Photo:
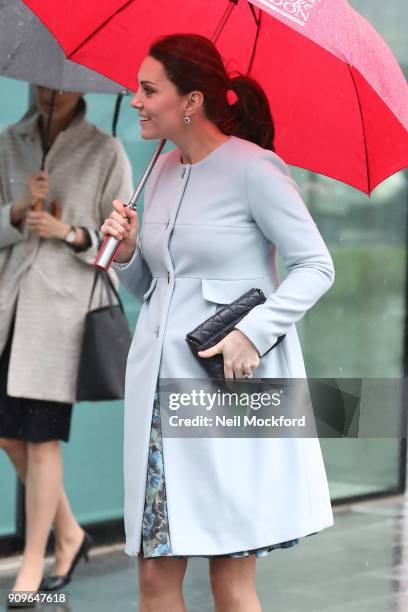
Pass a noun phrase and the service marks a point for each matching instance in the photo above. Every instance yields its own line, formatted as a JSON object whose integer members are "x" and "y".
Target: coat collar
{"x": 28, "y": 124}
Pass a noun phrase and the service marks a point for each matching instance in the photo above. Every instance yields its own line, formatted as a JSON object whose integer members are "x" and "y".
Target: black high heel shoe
{"x": 53, "y": 583}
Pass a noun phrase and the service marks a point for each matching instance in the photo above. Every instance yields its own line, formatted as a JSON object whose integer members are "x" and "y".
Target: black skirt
{"x": 31, "y": 420}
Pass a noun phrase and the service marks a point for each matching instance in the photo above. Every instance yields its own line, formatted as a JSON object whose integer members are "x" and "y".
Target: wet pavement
{"x": 358, "y": 565}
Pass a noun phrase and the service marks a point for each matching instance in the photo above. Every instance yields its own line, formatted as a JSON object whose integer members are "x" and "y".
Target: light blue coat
{"x": 210, "y": 232}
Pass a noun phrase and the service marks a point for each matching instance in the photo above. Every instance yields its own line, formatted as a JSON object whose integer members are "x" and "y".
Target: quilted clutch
{"x": 215, "y": 328}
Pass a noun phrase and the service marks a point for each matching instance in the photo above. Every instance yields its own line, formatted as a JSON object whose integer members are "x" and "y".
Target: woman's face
{"x": 158, "y": 100}
{"x": 64, "y": 105}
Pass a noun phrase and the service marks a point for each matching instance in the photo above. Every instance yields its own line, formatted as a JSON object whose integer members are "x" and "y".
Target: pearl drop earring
{"x": 187, "y": 119}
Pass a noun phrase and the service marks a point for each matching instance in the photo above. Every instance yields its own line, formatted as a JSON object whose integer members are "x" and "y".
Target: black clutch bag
{"x": 215, "y": 328}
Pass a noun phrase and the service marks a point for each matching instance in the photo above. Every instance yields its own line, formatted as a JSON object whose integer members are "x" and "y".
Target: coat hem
{"x": 130, "y": 550}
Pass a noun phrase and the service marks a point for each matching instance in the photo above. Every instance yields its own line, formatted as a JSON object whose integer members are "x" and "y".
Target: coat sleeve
{"x": 117, "y": 185}
{"x": 282, "y": 216}
{"x": 9, "y": 234}
{"x": 134, "y": 275}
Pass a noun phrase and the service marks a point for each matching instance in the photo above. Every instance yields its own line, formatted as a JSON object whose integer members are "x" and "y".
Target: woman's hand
{"x": 240, "y": 355}
{"x": 46, "y": 226}
{"x": 37, "y": 187}
{"x": 123, "y": 224}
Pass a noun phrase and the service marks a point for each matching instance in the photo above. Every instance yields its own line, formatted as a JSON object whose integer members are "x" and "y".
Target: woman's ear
{"x": 194, "y": 101}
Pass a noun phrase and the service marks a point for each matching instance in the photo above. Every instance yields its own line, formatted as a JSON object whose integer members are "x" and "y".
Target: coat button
{"x": 156, "y": 331}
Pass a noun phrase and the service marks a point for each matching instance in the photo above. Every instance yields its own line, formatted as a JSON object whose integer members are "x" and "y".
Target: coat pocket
{"x": 150, "y": 289}
{"x": 226, "y": 291}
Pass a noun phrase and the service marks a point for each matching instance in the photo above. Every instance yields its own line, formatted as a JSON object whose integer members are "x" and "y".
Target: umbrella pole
{"x": 111, "y": 245}
{"x": 118, "y": 103}
{"x": 46, "y": 139}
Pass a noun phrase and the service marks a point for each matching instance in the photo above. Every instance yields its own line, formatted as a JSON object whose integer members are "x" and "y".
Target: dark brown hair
{"x": 193, "y": 63}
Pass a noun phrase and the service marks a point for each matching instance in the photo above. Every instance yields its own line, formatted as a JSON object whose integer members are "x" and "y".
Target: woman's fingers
{"x": 116, "y": 216}
{"x": 246, "y": 371}
{"x": 123, "y": 209}
{"x": 228, "y": 370}
{"x": 234, "y": 371}
{"x": 239, "y": 372}
{"x": 114, "y": 228}
{"x": 125, "y": 214}
{"x": 121, "y": 227}
{"x": 133, "y": 216}
{"x": 122, "y": 224}
{"x": 120, "y": 207}
{"x": 132, "y": 219}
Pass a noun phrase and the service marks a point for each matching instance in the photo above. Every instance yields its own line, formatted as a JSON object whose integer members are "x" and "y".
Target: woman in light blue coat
{"x": 217, "y": 210}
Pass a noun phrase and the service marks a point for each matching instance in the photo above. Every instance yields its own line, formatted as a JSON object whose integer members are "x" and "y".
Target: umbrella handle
{"x": 38, "y": 205}
{"x": 110, "y": 245}
{"x": 107, "y": 252}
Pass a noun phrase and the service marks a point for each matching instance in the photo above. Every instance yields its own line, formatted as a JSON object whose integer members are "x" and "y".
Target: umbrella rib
{"x": 258, "y": 30}
{"x": 10, "y": 56}
{"x": 100, "y": 27}
{"x": 363, "y": 126}
{"x": 252, "y": 9}
{"x": 223, "y": 21}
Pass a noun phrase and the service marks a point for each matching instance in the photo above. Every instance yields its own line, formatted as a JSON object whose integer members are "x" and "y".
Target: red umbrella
{"x": 337, "y": 94}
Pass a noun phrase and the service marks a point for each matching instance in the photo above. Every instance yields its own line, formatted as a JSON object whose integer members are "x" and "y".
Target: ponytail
{"x": 249, "y": 117}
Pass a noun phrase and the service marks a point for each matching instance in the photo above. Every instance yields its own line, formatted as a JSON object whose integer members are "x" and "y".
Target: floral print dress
{"x": 155, "y": 530}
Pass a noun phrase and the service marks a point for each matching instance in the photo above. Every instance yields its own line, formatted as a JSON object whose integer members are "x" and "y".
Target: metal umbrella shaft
{"x": 45, "y": 145}
{"x": 46, "y": 134}
{"x": 111, "y": 245}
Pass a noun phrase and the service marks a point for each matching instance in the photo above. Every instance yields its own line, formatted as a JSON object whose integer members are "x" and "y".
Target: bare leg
{"x": 68, "y": 536}
{"x": 161, "y": 584}
{"x": 16, "y": 451}
{"x": 43, "y": 489}
{"x": 233, "y": 584}
{"x": 68, "y": 533}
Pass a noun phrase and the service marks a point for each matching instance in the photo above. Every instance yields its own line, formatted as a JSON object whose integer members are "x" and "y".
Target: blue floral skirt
{"x": 155, "y": 530}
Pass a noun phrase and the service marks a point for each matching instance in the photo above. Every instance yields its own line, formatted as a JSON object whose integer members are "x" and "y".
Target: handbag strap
{"x": 109, "y": 286}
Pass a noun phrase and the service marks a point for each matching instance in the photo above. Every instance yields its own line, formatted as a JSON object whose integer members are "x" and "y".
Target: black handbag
{"x": 105, "y": 346}
{"x": 215, "y": 328}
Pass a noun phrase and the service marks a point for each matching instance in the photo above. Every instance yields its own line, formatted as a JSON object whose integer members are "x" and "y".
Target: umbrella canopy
{"x": 337, "y": 94}
{"x": 28, "y": 52}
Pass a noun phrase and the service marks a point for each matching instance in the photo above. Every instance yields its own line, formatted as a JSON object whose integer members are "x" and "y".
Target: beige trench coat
{"x": 88, "y": 169}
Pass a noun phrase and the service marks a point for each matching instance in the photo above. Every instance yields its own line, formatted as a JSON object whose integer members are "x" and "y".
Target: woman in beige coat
{"x": 45, "y": 283}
